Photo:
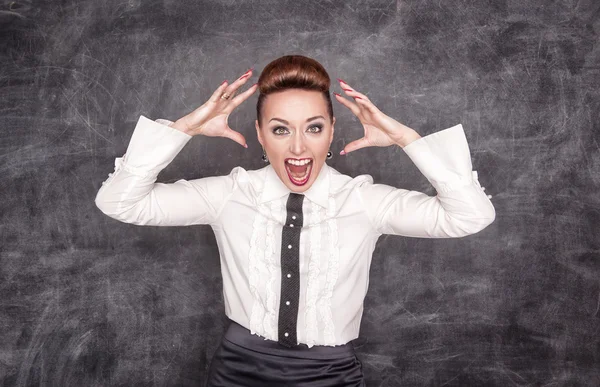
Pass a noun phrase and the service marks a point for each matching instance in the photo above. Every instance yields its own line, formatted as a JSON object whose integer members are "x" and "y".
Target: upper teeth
{"x": 299, "y": 162}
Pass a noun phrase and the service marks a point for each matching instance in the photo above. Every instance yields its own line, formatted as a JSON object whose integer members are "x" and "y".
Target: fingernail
{"x": 224, "y": 82}
{"x": 246, "y": 146}
{"x": 346, "y": 89}
{"x": 358, "y": 97}
{"x": 339, "y": 95}
{"x": 342, "y": 152}
{"x": 341, "y": 80}
{"x": 255, "y": 84}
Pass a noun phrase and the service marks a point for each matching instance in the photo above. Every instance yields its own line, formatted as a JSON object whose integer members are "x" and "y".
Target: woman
{"x": 295, "y": 237}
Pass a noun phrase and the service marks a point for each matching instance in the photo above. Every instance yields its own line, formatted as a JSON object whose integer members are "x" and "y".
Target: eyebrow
{"x": 287, "y": 123}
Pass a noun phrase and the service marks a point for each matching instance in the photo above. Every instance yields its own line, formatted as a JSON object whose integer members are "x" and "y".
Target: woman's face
{"x": 296, "y": 134}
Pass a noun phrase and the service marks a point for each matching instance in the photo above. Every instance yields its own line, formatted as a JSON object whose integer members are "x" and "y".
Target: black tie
{"x": 290, "y": 271}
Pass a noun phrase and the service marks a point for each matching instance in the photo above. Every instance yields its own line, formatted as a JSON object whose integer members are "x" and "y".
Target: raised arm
{"x": 130, "y": 193}
{"x": 460, "y": 207}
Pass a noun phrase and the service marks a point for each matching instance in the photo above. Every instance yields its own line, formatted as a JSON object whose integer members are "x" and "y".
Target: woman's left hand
{"x": 380, "y": 129}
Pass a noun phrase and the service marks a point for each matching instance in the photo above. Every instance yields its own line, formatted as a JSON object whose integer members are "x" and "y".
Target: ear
{"x": 332, "y": 130}
{"x": 258, "y": 133}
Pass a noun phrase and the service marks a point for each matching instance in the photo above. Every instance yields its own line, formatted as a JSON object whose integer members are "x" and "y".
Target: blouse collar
{"x": 317, "y": 193}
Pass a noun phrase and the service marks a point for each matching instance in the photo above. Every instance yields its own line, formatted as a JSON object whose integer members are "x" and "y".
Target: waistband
{"x": 237, "y": 334}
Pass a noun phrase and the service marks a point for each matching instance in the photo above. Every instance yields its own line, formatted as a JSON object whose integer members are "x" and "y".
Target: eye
{"x": 280, "y": 130}
{"x": 315, "y": 129}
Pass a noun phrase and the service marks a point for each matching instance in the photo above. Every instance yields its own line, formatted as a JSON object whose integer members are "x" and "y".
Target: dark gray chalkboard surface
{"x": 88, "y": 301}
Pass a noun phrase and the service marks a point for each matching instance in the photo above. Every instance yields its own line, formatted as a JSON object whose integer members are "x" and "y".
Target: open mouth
{"x": 298, "y": 170}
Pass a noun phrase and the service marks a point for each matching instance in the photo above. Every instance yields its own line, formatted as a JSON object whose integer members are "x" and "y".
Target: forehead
{"x": 294, "y": 105}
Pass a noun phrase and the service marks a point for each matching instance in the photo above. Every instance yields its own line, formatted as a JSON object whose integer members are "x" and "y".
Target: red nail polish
{"x": 224, "y": 82}
{"x": 337, "y": 94}
{"x": 346, "y": 89}
{"x": 341, "y": 80}
{"x": 358, "y": 97}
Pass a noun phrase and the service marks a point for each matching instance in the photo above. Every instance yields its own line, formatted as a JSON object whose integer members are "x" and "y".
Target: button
{"x": 294, "y": 217}
{"x": 287, "y": 302}
{"x": 286, "y": 334}
{"x": 289, "y": 275}
{"x": 289, "y": 246}
{"x": 291, "y": 224}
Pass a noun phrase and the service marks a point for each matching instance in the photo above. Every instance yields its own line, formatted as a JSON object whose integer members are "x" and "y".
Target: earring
{"x": 329, "y": 155}
{"x": 264, "y": 157}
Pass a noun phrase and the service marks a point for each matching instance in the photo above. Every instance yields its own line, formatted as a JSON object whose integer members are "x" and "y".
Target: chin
{"x": 297, "y": 189}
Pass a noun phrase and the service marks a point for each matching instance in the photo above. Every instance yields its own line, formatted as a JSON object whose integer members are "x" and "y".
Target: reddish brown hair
{"x": 293, "y": 72}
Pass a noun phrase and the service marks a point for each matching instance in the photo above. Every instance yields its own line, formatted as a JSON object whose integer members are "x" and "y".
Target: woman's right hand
{"x": 210, "y": 119}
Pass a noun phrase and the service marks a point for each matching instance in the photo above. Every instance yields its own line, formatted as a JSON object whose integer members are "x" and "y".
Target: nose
{"x": 297, "y": 145}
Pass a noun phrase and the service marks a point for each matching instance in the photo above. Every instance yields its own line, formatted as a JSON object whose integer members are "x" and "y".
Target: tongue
{"x": 297, "y": 169}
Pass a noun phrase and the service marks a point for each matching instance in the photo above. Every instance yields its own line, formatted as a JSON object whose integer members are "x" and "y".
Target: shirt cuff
{"x": 443, "y": 158}
{"x": 164, "y": 122}
{"x": 152, "y": 147}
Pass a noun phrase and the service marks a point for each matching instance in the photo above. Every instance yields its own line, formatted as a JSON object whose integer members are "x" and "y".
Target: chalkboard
{"x": 89, "y": 301}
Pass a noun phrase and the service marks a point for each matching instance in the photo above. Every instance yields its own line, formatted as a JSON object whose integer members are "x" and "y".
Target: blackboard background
{"x": 88, "y": 301}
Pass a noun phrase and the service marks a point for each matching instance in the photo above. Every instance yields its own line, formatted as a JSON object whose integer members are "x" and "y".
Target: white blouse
{"x": 343, "y": 218}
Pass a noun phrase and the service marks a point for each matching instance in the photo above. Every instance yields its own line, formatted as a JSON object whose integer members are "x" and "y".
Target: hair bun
{"x": 293, "y": 72}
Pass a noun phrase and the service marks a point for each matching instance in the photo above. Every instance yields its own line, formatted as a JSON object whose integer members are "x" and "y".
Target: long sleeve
{"x": 460, "y": 207}
{"x": 131, "y": 195}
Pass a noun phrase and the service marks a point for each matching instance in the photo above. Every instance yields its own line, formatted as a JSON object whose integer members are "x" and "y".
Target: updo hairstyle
{"x": 293, "y": 72}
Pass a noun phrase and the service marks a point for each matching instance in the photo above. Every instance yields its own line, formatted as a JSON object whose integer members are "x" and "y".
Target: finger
{"x": 235, "y": 136}
{"x": 367, "y": 104}
{"x": 231, "y": 89}
{"x": 219, "y": 92}
{"x": 362, "y": 100}
{"x": 350, "y": 105}
{"x": 355, "y": 145}
{"x": 353, "y": 93}
{"x": 235, "y": 102}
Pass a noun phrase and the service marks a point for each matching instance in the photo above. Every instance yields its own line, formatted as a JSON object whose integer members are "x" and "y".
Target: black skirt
{"x": 248, "y": 360}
